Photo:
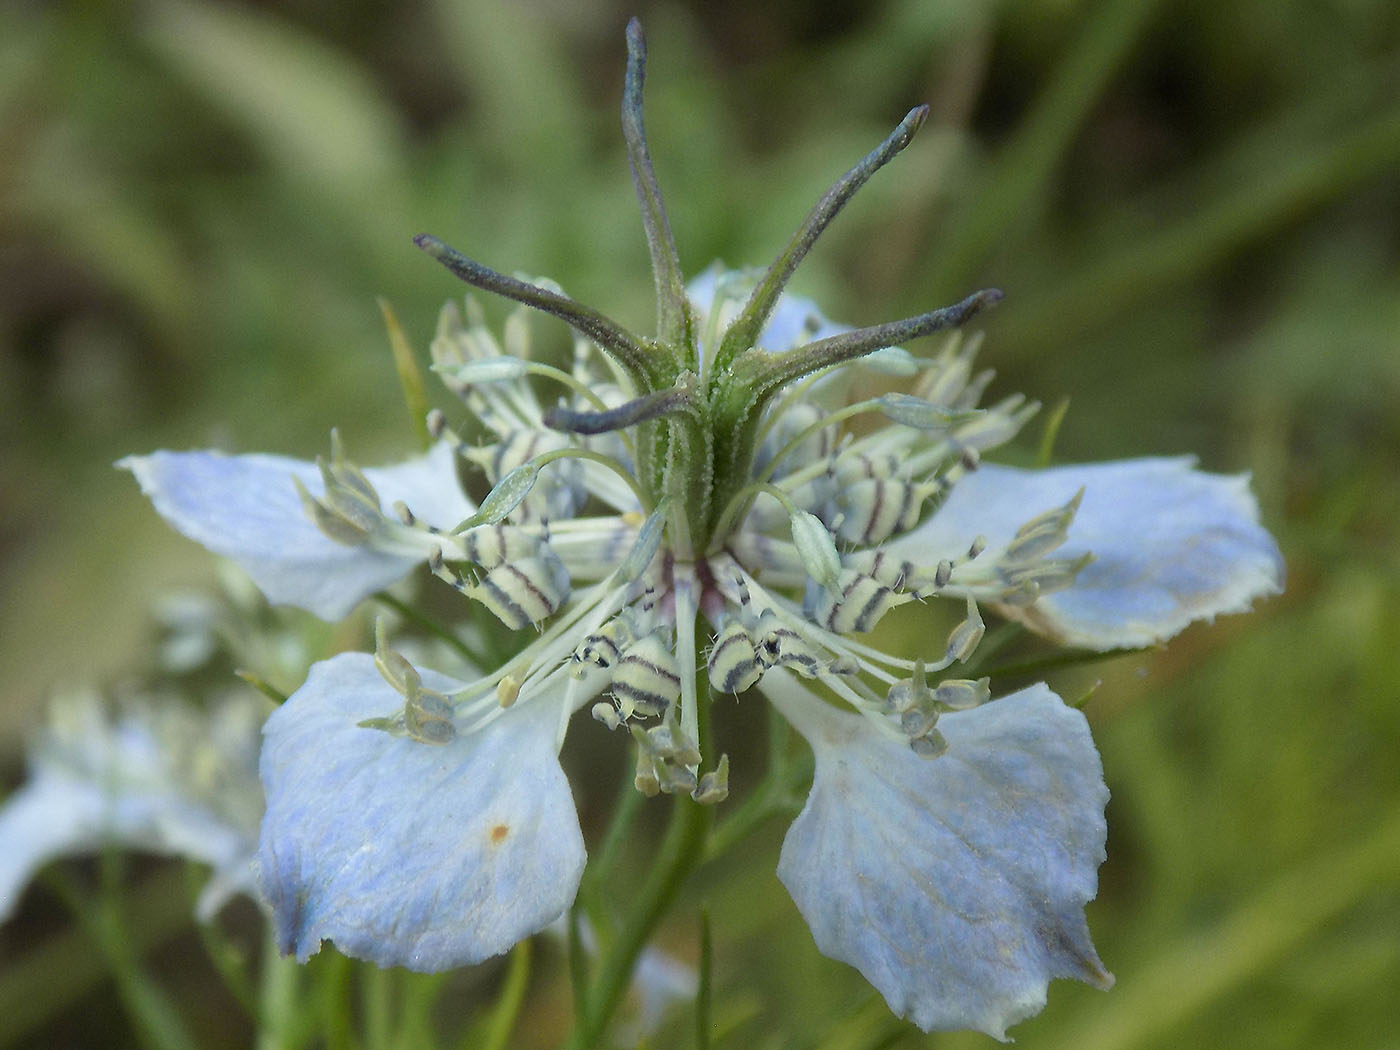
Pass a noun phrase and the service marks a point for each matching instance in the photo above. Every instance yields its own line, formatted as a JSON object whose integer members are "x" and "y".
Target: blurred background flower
{"x": 1194, "y": 209}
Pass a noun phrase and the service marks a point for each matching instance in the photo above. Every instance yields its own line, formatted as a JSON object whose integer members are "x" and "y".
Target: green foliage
{"x": 1193, "y": 208}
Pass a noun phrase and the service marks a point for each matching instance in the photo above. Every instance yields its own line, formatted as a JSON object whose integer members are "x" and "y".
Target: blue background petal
{"x": 795, "y": 320}
{"x": 404, "y": 853}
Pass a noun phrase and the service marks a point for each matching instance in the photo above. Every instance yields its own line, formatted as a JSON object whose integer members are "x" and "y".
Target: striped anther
{"x": 648, "y": 678}
{"x": 860, "y": 605}
{"x": 524, "y": 592}
{"x": 876, "y": 508}
{"x": 491, "y": 545}
{"x": 733, "y": 663}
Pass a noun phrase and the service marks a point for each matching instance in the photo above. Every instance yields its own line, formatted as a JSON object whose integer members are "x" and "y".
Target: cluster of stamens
{"x": 699, "y": 475}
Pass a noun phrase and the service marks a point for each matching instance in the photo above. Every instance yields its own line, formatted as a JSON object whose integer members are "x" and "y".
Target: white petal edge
{"x": 411, "y": 854}
{"x": 956, "y": 885}
{"x": 247, "y": 509}
{"x": 1171, "y": 545}
{"x": 42, "y": 821}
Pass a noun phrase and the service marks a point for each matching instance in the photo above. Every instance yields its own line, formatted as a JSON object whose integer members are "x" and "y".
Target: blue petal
{"x": 1171, "y": 545}
{"x": 405, "y": 853}
{"x": 247, "y": 509}
{"x": 794, "y": 321}
{"x": 955, "y": 884}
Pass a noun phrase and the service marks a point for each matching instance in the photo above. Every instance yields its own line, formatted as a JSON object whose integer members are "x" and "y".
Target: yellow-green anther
{"x": 505, "y": 496}
{"x": 967, "y": 635}
{"x": 645, "y": 780}
{"x": 930, "y": 745}
{"x": 428, "y": 717}
{"x": 644, "y": 548}
{"x": 961, "y": 694}
{"x": 714, "y": 786}
{"x": 910, "y": 692}
{"x": 816, "y": 547}
{"x": 335, "y": 525}
{"x": 349, "y": 475}
{"x": 922, "y": 415}
{"x": 393, "y": 667}
{"x": 1042, "y": 534}
{"x": 486, "y": 370}
{"x": 997, "y": 425}
{"x": 1048, "y": 575}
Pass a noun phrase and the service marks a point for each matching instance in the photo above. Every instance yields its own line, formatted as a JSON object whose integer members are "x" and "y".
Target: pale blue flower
{"x": 435, "y": 855}
{"x": 158, "y": 776}
{"x": 702, "y": 496}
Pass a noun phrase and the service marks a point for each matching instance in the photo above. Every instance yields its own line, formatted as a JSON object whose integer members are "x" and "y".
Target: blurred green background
{"x": 1194, "y": 209}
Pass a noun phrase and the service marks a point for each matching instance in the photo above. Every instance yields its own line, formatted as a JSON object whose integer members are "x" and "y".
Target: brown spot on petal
{"x": 498, "y": 834}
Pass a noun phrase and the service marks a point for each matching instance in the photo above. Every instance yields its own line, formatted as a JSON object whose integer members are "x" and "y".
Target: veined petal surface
{"x": 955, "y": 884}
{"x": 405, "y": 853}
{"x": 1171, "y": 545}
{"x": 247, "y": 509}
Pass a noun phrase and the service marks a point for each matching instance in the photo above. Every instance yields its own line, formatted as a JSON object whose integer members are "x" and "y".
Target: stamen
{"x": 714, "y": 786}
{"x": 733, "y": 662}
{"x": 333, "y": 524}
{"x": 967, "y": 635}
{"x": 648, "y": 542}
{"x": 511, "y": 490}
{"x": 647, "y": 679}
{"x": 519, "y": 593}
{"x": 426, "y": 715}
{"x": 687, "y": 609}
{"x": 504, "y": 368}
{"x": 553, "y": 646}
